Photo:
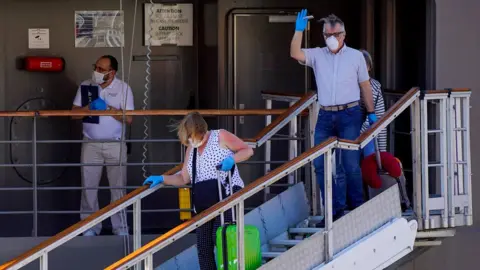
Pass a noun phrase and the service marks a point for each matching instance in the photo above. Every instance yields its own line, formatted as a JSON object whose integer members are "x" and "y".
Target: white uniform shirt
{"x": 337, "y": 75}
{"x": 114, "y": 95}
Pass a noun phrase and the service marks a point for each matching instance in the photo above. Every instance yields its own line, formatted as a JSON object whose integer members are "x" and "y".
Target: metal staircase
{"x": 375, "y": 229}
{"x": 382, "y": 231}
{"x": 375, "y": 235}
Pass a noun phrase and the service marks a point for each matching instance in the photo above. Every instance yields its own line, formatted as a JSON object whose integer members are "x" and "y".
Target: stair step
{"x": 304, "y": 230}
{"x": 315, "y": 218}
{"x": 270, "y": 254}
{"x": 289, "y": 243}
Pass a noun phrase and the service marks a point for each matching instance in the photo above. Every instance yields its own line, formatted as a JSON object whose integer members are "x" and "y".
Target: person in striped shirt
{"x": 378, "y": 101}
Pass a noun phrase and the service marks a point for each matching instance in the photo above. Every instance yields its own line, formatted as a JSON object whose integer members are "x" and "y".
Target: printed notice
{"x": 39, "y": 38}
{"x": 95, "y": 29}
{"x": 169, "y": 24}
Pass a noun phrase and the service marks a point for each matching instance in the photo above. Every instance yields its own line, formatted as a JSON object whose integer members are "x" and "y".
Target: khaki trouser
{"x": 103, "y": 153}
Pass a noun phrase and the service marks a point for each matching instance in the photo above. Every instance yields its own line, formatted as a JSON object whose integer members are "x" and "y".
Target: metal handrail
{"x": 41, "y": 250}
{"x": 146, "y": 251}
{"x": 79, "y": 227}
{"x": 237, "y": 198}
{"x": 68, "y": 113}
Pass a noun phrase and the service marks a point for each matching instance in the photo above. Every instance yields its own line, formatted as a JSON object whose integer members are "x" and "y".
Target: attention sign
{"x": 169, "y": 24}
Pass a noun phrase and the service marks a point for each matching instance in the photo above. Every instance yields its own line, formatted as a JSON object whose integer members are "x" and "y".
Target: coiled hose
{"x": 148, "y": 85}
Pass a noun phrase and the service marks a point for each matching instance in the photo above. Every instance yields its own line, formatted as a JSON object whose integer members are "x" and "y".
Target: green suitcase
{"x": 226, "y": 240}
{"x": 227, "y": 247}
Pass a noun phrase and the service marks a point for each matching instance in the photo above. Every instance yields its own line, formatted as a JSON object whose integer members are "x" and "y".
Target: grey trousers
{"x": 103, "y": 153}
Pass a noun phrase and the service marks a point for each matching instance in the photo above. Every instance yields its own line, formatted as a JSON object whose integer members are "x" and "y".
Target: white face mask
{"x": 98, "y": 77}
{"x": 332, "y": 43}
{"x": 195, "y": 144}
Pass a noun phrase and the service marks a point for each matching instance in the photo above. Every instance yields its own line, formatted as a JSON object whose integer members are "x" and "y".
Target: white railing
{"x": 445, "y": 199}
{"x": 237, "y": 200}
{"x": 293, "y": 134}
{"x": 452, "y": 175}
{"x": 134, "y": 198}
{"x": 457, "y": 189}
{"x": 145, "y": 254}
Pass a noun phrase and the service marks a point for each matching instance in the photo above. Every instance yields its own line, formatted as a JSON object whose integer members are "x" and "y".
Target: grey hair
{"x": 332, "y": 19}
{"x": 368, "y": 59}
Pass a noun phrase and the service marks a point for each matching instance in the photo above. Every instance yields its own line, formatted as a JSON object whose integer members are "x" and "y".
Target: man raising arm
{"x": 296, "y": 45}
{"x": 342, "y": 77}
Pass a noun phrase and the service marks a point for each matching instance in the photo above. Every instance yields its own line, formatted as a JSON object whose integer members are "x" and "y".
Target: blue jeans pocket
{"x": 353, "y": 110}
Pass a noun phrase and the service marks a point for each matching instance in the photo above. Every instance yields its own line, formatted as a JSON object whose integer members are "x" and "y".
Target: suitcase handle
{"x": 377, "y": 153}
{"x": 219, "y": 166}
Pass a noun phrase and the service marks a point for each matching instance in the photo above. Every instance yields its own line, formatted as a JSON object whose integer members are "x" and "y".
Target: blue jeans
{"x": 345, "y": 124}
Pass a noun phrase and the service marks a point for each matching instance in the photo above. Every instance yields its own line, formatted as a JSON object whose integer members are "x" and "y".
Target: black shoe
{"x": 321, "y": 224}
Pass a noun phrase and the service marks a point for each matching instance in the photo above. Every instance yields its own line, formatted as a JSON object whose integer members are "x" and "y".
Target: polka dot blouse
{"x": 212, "y": 155}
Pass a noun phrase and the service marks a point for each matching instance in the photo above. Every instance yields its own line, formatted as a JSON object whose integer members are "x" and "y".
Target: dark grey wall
{"x": 196, "y": 79}
{"x": 173, "y": 84}
{"x": 457, "y": 59}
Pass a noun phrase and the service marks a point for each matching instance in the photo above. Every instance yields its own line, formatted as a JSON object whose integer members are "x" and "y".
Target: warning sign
{"x": 169, "y": 24}
{"x": 38, "y": 38}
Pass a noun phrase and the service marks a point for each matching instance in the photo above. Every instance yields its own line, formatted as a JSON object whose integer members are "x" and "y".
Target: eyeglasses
{"x": 99, "y": 69}
{"x": 337, "y": 34}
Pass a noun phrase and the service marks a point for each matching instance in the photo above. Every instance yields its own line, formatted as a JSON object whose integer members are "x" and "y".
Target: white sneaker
{"x": 90, "y": 233}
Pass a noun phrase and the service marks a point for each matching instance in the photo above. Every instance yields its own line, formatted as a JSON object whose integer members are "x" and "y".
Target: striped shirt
{"x": 379, "y": 111}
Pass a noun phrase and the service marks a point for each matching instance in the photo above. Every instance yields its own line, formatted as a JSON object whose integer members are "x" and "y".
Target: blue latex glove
{"x": 98, "y": 104}
{"x": 92, "y": 105}
{"x": 301, "y": 23}
{"x": 227, "y": 164}
{"x": 372, "y": 118}
{"x": 153, "y": 180}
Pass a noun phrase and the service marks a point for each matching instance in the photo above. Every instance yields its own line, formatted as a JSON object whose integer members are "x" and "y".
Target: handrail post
{"x": 312, "y": 120}
{"x": 416, "y": 160}
{"x": 424, "y": 158}
{"x": 34, "y": 177}
{"x": 451, "y": 140}
{"x": 467, "y": 173}
{"x": 391, "y": 130}
{"x": 268, "y": 146}
{"x": 148, "y": 262}
{"x": 292, "y": 146}
{"x": 443, "y": 160}
{"x": 137, "y": 227}
{"x": 241, "y": 236}
{"x": 327, "y": 157}
{"x": 44, "y": 261}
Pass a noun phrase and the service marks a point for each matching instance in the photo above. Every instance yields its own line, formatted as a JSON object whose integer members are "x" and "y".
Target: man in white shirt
{"x": 108, "y": 93}
{"x": 342, "y": 78}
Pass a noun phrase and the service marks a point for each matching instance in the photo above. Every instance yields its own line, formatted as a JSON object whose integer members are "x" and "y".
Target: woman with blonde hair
{"x": 206, "y": 149}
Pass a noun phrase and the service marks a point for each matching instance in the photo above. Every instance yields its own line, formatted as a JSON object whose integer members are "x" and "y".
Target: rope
{"x": 123, "y": 212}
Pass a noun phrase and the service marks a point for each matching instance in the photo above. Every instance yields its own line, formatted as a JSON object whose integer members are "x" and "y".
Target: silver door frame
{"x": 232, "y": 79}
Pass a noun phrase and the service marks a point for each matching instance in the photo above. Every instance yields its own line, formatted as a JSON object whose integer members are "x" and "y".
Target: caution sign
{"x": 169, "y": 24}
